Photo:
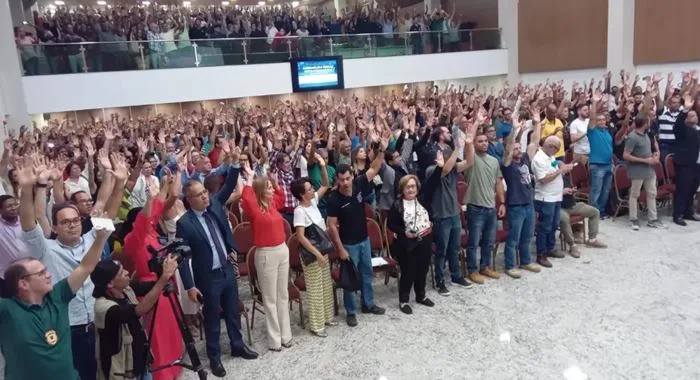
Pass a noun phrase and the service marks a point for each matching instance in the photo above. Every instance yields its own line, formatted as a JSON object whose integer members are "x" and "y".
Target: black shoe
{"x": 692, "y": 218}
{"x": 351, "y": 320}
{"x": 442, "y": 290}
{"x": 680, "y": 222}
{"x": 426, "y": 302}
{"x": 217, "y": 369}
{"x": 543, "y": 261}
{"x": 406, "y": 308}
{"x": 245, "y": 353}
{"x": 374, "y": 309}
{"x": 462, "y": 281}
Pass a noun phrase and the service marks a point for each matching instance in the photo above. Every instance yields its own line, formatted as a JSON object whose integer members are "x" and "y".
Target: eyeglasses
{"x": 86, "y": 201}
{"x": 41, "y": 273}
{"x": 69, "y": 222}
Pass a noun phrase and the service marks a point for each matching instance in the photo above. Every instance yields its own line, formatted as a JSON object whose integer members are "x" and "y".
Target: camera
{"x": 177, "y": 248}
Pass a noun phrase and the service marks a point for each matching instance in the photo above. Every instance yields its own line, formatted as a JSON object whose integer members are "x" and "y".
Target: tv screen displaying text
{"x": 314, "y": 74}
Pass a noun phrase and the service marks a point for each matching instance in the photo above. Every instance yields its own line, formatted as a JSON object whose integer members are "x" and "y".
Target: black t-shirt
{"x": 117, "y": 315}
{"x": 350, "y": 211}
{"x": 519, "y": 181}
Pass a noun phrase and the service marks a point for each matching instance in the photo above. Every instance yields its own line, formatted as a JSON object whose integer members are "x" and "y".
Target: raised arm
{"x": 376, "y": 165}
{"x": 89, "y": 261}
{"x": 231, "y": 179}
{"x": 325, "y": 182}
{"x": 534, "y": 144}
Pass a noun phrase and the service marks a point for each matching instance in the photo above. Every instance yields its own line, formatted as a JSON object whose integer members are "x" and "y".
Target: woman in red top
{"x": 260, "y": 200}
{"x": 166, "y": 343}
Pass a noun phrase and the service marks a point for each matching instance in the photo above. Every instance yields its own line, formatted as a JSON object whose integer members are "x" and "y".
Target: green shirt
{"x": 36, "y": 339}
{"x": 316, "y": 180}
{"x": 482, "y": 177}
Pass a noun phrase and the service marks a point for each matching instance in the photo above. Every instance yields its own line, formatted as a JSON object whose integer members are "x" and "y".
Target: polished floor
{"x": 631, "y": 311}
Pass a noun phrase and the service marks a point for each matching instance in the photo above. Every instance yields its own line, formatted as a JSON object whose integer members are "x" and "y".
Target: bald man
{"x": 549, "y": 188}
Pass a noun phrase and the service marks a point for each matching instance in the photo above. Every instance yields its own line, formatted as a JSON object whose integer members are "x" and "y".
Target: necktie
{"x": 215, "y": 236}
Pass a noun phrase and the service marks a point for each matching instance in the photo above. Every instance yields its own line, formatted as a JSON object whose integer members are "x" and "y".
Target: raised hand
{"x": 141, "y": 144}
{"x": 89, "y": 148}
{"x": 120, "y": 172}
{"x": 26, "y": 177}
{"x": 40, "y": 167}
{"x": 439, "y": 159}
{"x": 320, "y": 160}
{"x": 597, "y": 95}
{"x": 103, "y": 159}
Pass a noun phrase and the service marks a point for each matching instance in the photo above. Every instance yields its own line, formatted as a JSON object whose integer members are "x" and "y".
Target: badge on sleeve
{"x": 51, "y": 337}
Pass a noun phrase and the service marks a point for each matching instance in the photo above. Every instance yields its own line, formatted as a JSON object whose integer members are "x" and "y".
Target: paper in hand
{"x": 103, "y": 224}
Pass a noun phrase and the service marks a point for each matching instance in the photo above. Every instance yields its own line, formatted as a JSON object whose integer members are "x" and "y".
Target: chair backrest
{"x": 579, "y": 176}
{"x": 235, "y": 208}
{"x": 375, "y": 235}
{"x": 243, "y": 236}
{"x": 568, "y": 156}
{"x": 462, "y": 188}
{"x": 287, "y": 229}
{"x": 294, "y": 255}
{"x": 621, "y": 179}
{"x": 250, "y": 262}
{"x": 670, "y": 165}
{"x": 388, "y": 236}
{"x": 233, "y": 219}
{"x": 659, "y": 170}
{"x": 369, "y": 211}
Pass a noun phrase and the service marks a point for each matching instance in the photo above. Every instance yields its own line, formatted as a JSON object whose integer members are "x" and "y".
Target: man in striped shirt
{"x": 666, "y": 118}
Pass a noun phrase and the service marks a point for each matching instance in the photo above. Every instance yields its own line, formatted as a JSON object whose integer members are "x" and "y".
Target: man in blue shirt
{"x": 600, "y": 158}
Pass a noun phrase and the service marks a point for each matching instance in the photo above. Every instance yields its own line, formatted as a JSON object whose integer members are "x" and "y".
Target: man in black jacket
{"x": 686, "y": 156}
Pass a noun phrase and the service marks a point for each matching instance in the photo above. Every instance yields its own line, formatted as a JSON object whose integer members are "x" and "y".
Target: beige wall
{"x": 666, "y": 31}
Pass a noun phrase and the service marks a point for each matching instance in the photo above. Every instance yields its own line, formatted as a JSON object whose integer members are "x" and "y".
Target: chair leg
{"x": 301, "y": 314}
{"x": 493, "y": 256}
{"x": 335, "y": 300}
{"x": 252, "y": 313}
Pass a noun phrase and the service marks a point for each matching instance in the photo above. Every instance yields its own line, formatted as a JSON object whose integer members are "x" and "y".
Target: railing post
{"x": 405, "y": 43}
{"x": 471, "y": 41}
{"x": 439, "y": 42}
{"x": 330, "y": 40}
{"x": 82, "y": 56}
{"x": 19, "y": 57}
{"x": 143, "y": 58}
{"x": 289, "y": 47}
{"x": 369, "y": 41}
{"x": 196, "y": 56}
{"x": 245, "y": 52}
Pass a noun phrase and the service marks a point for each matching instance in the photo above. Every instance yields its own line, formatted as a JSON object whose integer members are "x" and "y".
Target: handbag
{"x": 349, "y": 276}
{"x": 318, "y": 238}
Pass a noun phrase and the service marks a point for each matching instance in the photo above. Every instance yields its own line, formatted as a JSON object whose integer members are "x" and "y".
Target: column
{"x": 12, "y": 103}
{"x": 620, "y": 36}
{"x": 508, "y": 22}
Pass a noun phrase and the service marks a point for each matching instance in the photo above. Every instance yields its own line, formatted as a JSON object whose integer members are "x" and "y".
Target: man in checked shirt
{"x": 285, "y": 175}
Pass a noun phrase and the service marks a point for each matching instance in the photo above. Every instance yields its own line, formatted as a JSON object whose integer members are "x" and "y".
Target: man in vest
{"x": 121, "y": 340}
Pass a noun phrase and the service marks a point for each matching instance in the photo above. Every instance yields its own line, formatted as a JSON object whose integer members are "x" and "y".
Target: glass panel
{"x": 56, "y": 58}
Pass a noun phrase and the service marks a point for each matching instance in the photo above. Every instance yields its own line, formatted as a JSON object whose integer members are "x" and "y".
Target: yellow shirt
{"x": 554, "y": 128}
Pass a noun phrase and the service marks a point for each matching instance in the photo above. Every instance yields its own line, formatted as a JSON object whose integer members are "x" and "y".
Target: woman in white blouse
{"x": 410, "y": 222}
{"x": 319, "y": 285}
{"x": 76, "y": 181}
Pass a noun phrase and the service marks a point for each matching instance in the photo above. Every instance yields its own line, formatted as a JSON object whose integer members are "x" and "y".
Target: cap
{"x": 104, "y": 273}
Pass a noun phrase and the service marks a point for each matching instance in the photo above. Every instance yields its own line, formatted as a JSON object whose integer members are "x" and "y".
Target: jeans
{"x": 521, "y": 228}
{"x": 447, "y": 233}
{"x": 222, "y": 295}
{"x": 83, "y": 347}
{"x": 601, "y": 183}
{"x": 546, "y": 226}
{"x": 361, "y": 255}
{"x": 482, "y": 231}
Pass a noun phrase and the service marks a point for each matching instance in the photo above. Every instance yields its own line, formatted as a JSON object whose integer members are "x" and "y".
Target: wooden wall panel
{"x": 666, "y": 31}
{"x": 558, "y": 35}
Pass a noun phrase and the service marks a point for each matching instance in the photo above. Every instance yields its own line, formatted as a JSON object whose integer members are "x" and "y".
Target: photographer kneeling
{"x": 122, "y": 345}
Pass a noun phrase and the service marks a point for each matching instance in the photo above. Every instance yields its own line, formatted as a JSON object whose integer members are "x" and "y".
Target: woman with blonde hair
{"x": 261, "y": 200}
{"x": 410, "y": 223}
{"x": 319, "y": 285}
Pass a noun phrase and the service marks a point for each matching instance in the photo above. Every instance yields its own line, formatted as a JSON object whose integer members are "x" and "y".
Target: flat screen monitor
{"x": 318, "y": 73}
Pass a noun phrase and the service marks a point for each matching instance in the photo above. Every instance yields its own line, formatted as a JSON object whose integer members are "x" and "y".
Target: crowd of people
{"x": 433, "y": 164}
{"x": 157, "y": 33}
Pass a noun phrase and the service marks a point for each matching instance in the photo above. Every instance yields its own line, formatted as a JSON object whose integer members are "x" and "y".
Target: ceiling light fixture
{"x": 295, "y": 4}
{"x": 261, "y": 3}
{"x": 225, "y": 3}
{"x": 146, "y": 3}
{"x": 186, "y": 3}
{"x": 101, "y": 2}
{"x": 59, "y": 2}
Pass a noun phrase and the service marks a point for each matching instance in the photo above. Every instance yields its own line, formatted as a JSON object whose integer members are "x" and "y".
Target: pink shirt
{"x": 12, "y": 245}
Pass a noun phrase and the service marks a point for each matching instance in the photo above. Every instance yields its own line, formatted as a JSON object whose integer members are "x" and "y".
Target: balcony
{"x": 102, "y": 75}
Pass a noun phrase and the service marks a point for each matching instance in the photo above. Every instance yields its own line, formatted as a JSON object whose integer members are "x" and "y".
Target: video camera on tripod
{"x": 176, "y": 247}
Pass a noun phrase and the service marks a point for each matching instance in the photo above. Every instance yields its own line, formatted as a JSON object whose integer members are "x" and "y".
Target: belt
{"x": 83, "y": 328}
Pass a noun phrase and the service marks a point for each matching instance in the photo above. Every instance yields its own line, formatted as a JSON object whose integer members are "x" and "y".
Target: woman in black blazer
{"x": 410, "y": 223}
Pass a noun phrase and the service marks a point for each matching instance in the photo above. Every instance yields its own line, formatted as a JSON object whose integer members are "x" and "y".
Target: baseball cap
{"x": 104, "y": 273}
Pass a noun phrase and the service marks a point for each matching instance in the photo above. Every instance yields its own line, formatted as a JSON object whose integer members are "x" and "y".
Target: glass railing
{"x": 84, "y": 57}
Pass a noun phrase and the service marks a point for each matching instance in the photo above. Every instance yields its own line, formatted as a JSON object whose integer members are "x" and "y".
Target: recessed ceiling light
{"x": 225, "y": 3}
{"x": 101, "y": 2}
{"x": 59, "y": 2}
{"x": 186, "y": 3}
{"x": 295, "y": 4}
{"x": 146, "y": 3}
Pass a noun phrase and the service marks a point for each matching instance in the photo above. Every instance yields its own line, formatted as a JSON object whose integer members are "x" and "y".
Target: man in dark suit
{"x": 686, "y": 156}
{"x": 206, "y": 230}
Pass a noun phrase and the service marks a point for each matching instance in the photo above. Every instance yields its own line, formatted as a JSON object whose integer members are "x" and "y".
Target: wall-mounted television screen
{"x": 318, "y": 73}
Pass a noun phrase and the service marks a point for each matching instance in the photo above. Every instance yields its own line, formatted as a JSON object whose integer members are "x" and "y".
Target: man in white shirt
{"x": 549, "y": 188}
{"x": 578, "y": 129}
{"x": 271, "y": 33}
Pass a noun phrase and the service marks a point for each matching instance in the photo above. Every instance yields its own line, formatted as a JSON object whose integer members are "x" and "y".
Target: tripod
{"x": 190, "y": 348}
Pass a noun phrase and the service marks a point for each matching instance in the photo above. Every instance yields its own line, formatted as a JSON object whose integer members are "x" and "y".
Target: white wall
{"x": 68, "y": 92}
{"x": 12, "y": 104}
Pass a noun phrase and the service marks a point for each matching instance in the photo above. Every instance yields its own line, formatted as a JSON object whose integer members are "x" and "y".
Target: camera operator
{"x": 122, "y": 345}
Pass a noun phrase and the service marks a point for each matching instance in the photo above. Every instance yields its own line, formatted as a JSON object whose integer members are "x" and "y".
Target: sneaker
{"x": 426, "y": 302}
{"x": 488, "y": 272}
{"x": 532, "y": 267}
{"x": 406, "y": 308}
{"x": 442, "y": 290}
{"x": 331, "y": 323}
{"x": 514, "y": 273}
{"x": 595, "y": 243}
{"x": 320, "y": 334}
{"x": 477, "y": 278}
{"x": 351, "y": 320}
{"x": 635, "y": 225}
{"x": 656, "y": 223}
{"x": 374, "y": 309}
{"x": 463, "y": 282}
{"x": 543, "y": 261}
{"x": 557, "y": 254}
{"x": 574, "y": 252}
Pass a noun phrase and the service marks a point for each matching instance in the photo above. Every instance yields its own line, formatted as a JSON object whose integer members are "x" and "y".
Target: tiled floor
{"x": 631, "y": 311}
